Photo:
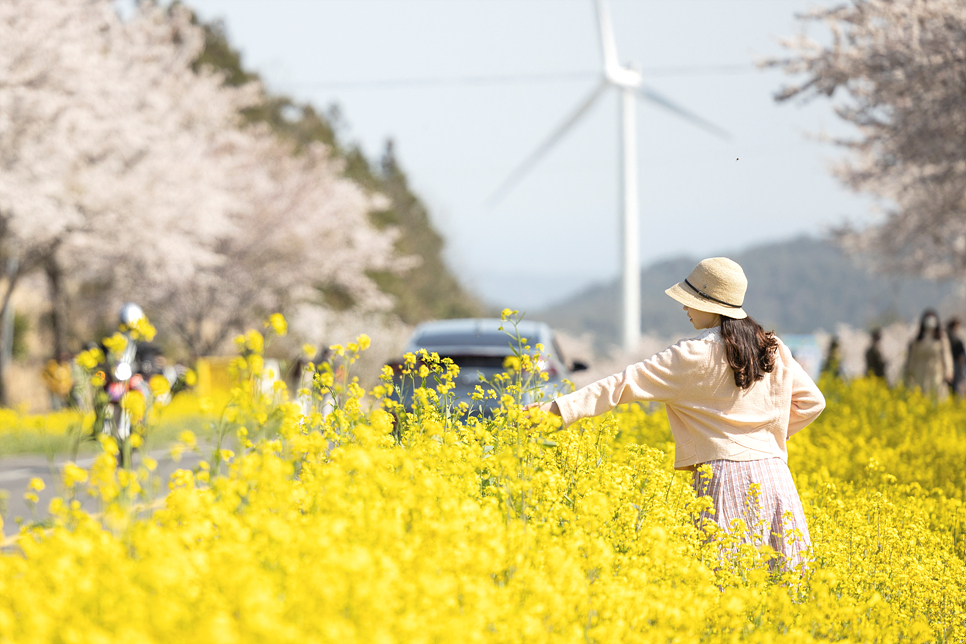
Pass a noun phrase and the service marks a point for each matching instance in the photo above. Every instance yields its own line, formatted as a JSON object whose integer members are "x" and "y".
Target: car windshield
{"x": 481, "y": 339}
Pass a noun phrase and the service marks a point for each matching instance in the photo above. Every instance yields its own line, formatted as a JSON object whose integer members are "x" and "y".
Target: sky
{"x": 467, "y": 89}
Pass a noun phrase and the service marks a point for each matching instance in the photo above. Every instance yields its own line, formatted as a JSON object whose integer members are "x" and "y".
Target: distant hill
{"x": 796, "y": 286}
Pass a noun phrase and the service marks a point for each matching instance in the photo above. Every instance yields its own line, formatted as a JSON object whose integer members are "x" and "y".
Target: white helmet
{"x": 130, "y": 314}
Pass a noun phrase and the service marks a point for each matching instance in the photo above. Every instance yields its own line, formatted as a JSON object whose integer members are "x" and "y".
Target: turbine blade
{"x": 608, "y": 44}
{"x": 522, "y": 169}
{"x": 658, "y": 99}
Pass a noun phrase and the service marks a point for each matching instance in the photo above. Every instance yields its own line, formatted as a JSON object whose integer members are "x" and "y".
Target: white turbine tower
{"x": 627, "y": 80}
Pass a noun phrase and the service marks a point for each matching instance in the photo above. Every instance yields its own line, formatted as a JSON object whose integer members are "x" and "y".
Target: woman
{"x": 733, "y": 396}
{"x": 929, "y": 361}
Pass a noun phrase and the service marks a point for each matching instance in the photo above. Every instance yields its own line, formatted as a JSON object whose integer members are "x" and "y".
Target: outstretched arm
{"x": 659, "y": 379}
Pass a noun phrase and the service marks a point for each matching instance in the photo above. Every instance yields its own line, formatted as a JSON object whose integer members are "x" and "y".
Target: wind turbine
{"x": 627, "y": 80}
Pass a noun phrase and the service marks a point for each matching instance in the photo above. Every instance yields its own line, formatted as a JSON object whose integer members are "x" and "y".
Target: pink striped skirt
{"x": 762, "y": 496}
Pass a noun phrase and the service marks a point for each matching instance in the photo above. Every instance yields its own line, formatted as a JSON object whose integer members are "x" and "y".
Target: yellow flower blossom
{"x": 116, "y": 343}
{"x": 419, "y": 523}
{"x": 278, "y": 324}
{"x": 72, "y": 475}
{"x": 134, "y": 404}
{"x": 254, "y": 341}
{"x": 90, "y": 358}
{"x": 159, "y": 385}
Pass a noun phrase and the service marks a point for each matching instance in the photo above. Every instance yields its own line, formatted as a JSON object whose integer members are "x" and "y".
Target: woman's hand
{"x": 547, "y": 407}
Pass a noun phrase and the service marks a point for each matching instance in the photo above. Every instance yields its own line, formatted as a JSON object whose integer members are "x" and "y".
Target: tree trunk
{"x": 58, "y": 306}
{"x": 12, "y": 277}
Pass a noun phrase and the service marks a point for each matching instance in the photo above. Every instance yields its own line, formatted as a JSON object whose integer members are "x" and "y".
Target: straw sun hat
{"x": 716, "y": 285}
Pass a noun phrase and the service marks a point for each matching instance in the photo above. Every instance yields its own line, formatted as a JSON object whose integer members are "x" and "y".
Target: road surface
{"x": 17, "y": 471}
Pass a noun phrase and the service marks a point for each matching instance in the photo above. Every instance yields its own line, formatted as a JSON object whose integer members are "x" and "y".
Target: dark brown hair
{"x": 937, "y": 333}
{"x": 749, "y": 348}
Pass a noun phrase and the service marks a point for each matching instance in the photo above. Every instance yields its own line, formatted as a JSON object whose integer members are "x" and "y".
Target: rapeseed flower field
{"x": 336, "y": 515}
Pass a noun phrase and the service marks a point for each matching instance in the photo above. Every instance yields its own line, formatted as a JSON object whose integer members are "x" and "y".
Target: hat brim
{"x": 689, "y": 298}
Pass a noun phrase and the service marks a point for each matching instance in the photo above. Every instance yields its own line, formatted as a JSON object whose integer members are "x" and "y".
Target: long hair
{"x": 749, "y": 348}
{"x": 937, "y": 332}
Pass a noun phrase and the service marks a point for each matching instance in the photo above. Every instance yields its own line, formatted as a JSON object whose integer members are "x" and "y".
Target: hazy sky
{"x": 458, "y": 140}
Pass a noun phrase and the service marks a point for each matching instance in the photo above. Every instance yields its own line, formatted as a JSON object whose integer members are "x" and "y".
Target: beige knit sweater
{"x": 710, "y": 417}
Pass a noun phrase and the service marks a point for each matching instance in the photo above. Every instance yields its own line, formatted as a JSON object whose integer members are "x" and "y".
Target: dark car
{"x": 481, "y": 349}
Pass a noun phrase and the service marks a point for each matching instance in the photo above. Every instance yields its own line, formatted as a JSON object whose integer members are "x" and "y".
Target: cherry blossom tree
{"x": 896, "y": 70}
{"x": 305, "y": 227}
{"x": 109, "y": 141}
{"x": 121, "y": 164}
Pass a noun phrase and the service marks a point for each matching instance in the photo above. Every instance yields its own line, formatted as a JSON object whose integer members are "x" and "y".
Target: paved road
{"x": 17, "y": 471}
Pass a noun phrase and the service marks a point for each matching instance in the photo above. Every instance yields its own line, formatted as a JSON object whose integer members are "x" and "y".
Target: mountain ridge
{"x": 795, "y": 286}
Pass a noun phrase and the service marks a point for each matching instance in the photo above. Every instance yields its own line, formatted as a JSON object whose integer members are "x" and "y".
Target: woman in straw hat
{"x": 733, "y": 396}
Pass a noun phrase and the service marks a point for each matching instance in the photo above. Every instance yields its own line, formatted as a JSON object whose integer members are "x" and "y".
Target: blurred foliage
{"x": 427, "y": 291}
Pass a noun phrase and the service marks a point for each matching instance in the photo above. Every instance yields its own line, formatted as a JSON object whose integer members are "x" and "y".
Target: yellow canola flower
{"x": 255, "y": 342}
{"x": 36, "y": 485}
{"x": 72, "y": 475}
{"x": 108, "y": 444}
{"x": 159, "y": 385}
{"x": 278, "y": 324}
{"x": 420, "y": 524}
{"x": 90, "y": 358}
{"x": 188, "y": 438}
{"x": 116, "y": 343}
{"x": 512, "y": 363}
{"x": 143, "y": 330}
{"x": 134, "y": 404}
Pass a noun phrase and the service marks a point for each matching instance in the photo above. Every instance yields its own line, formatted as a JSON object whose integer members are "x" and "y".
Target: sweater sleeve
{"x": 656, "y": 379}
{"x": 807, "y": 402}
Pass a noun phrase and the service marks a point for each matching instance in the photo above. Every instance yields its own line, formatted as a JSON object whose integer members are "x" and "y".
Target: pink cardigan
{"x": 710, "y": 417}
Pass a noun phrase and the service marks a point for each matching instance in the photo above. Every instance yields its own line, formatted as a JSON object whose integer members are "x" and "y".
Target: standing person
{"x": 875, "y": 364}
{"x": 733, "y": 395}
{"x": 833, "y": 359}
{"x": 958, "y": 353}
{"x": 929, "y": 361}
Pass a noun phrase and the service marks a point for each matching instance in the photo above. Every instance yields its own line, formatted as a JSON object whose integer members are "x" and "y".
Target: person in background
{"x": 929, "y": 361}
{"x": 958, "y": 352}
{"x": 833, "y": 359}
{"x": 875, "y": 364}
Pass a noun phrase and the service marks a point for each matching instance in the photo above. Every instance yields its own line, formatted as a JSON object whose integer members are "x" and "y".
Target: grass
{"x": 60, "y": 433}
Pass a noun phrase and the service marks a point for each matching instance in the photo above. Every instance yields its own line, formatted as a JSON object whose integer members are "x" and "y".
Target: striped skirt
{"x": 762, "y": 496}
